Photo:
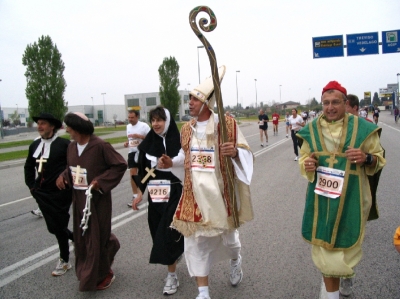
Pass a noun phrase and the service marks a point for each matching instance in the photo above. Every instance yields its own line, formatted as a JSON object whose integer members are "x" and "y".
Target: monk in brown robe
{"x": 92, "y": 162}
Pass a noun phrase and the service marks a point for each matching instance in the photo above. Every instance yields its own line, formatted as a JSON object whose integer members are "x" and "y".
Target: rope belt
{"x": 86, "y": 210}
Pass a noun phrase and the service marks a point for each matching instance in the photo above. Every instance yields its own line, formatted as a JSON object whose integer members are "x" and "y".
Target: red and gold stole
{"x": 188, "y": 209}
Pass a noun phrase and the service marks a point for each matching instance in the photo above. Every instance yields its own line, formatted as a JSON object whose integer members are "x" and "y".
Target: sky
{"x": 116, "y": 47}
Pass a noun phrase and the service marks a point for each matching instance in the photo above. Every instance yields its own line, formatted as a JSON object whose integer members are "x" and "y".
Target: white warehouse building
{"x": 144, "y": 102}
{"x": 108, "y": 114}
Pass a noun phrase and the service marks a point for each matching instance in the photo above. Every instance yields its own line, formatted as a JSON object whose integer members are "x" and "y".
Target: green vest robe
{"x": 336, "y": 224}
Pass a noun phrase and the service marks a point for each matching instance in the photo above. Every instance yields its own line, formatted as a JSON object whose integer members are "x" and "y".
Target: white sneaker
{"x": 266, "y": 143}
{"x": 171, "y": 285}
{"x": 61, "y": 268}
{"x": 202, "y": 297}
{"x": 262, "y": 144}
{"x": 346, "y": 286}
{"x": 37, "y": 212}
{"x": 236, "y": 274}
{"x": 297, "y": 158}
{"x": 287, "y": 136}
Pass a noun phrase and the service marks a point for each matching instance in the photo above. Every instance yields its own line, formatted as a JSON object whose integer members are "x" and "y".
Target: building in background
{"x": 144, "y": 102}
{"x": 101, "y": 115}
{"x": 23, "y": 113}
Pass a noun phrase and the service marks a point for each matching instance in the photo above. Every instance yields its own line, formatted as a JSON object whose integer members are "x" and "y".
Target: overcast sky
{"x": 115, "y": 47}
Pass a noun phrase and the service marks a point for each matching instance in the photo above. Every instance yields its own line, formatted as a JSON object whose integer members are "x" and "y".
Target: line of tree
{"x": 169, "y": 83}
{"x": 44, "y": 74}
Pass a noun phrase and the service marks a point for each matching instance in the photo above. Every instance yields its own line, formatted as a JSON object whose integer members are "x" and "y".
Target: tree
{"x": 376, "y": 100}
{"x": 169, "y": 83}
{"x": 314, "y": 103}
{"x": 45, "y": 78}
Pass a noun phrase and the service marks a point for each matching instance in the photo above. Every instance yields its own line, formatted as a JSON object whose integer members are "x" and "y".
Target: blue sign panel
{"x": 362, "y": 44}
{"x": 328, "y": 46}
{"x": 390, "y": 41}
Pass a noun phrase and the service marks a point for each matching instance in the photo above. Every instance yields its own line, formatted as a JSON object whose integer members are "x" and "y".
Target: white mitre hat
{"x": 205, "y": 88}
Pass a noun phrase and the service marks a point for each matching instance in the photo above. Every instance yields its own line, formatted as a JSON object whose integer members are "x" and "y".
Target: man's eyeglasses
{"x": 333, "y": 103}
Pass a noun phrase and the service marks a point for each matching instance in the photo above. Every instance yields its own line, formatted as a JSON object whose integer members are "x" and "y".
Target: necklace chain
{"x": 336, "y": 146}
{"x": 199, "y": 143}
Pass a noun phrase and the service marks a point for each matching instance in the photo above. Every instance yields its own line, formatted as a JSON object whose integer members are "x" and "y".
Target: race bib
{"x": 329, "y": 182}
{"x": 261, "y": 123}
{"x": 159, "y": 190}
{"x": 274, "y": 118}
{"x": 203, "y": 160}
{"x": 79, "y": 177}
{"x": 133, "y": 143}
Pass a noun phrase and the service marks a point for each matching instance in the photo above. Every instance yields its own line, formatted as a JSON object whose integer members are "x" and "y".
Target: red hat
{"x": 335, "y": 85}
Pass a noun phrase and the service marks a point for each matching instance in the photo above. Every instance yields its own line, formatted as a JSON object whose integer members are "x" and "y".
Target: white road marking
{"x": 51, "y": 258}
{"x": 393, "y": 128}
{"x": 270, "y": 147}
{"x": 15, "y": 201}
{"x": 28, "y": 259}
{"x": 20, "y": 272}
{"x": 22, "y": 199}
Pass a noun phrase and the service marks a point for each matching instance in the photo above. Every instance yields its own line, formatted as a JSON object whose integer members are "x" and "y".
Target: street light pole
{"x": 198, "y": 60}
{"x": 255, "y": 82}
{"x": 104, "y": 106}
{"x": 237, "y": 98}
{"x": 16, "y": 119}
{"x": 280, "y": 98}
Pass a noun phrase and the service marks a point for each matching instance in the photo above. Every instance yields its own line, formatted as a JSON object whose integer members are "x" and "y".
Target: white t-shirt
{"x": 363, "y": 113}
{"x": 140, "y": 128}
{"x": 293, "y": 121}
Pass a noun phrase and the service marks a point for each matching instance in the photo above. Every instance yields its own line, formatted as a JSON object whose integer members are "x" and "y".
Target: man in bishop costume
{"x": 205, "y": 214}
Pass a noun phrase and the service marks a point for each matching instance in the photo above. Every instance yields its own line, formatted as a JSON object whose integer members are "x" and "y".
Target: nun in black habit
{"x": 164, "y": 192}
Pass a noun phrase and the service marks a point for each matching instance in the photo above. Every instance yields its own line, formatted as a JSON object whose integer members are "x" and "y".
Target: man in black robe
{"x": 48, "y": 156}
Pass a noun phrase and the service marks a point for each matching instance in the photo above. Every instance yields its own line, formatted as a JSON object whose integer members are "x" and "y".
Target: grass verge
{"x": 13, "y": 155}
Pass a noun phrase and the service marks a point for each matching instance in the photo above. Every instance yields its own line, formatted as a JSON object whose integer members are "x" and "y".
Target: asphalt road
{"x": 276, "y": 261}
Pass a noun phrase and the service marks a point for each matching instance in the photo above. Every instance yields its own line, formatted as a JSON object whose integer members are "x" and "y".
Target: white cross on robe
{"x": 77, "y": 176}
{"x": 41, "y": 161}
{"x": 150, "y": 172}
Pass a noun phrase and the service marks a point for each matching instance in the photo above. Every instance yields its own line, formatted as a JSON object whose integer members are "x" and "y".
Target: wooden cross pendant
{"x": 150, "y": 172}
{"x": 41, "y": 161}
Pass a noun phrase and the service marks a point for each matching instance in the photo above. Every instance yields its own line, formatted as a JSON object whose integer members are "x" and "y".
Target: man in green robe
{"x": 338, "y": 153}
